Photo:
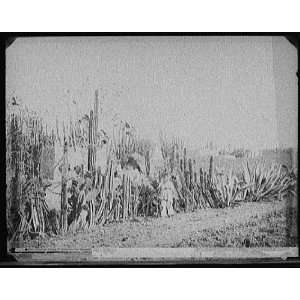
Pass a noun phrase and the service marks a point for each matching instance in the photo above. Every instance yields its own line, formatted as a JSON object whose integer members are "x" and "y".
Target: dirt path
{"x": 157, "y": 232}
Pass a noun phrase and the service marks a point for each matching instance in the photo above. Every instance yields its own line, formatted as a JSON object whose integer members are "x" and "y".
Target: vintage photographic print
{"x": 151, "y": 148}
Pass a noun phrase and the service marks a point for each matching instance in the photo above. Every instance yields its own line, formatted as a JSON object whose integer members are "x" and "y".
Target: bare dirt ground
{"x": 248, "y": 225}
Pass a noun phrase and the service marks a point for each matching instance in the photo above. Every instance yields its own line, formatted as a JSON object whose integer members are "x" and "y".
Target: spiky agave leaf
{"x": 266, "y": 183}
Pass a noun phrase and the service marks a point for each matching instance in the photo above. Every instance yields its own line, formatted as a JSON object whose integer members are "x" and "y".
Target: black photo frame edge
{"x": 9, "y": 260}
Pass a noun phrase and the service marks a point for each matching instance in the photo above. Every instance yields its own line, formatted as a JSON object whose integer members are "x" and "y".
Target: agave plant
{"x": 267, "y": 183}
{"x": 227, "y": 188}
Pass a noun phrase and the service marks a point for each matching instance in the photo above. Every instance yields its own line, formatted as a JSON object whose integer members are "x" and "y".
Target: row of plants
{"x": 254, "y": 180}
{"x": 261, "y": 182}
{"x": 123, "y": 190}
{"x": 26, "y": 139}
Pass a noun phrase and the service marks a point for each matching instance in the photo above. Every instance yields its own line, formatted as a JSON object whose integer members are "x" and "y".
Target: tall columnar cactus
{"x": 184, "y": 160}
{"x": 147, "y": 162}
{"x": 177, "y": 158}
{"x": 211, "y": 165}
{"x": 185, "y": 165}
{"x": 190, "y": 175}
{"x": 64, "y": 205}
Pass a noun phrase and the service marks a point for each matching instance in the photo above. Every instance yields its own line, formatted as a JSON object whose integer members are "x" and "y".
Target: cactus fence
{"x": 93, "y": 195}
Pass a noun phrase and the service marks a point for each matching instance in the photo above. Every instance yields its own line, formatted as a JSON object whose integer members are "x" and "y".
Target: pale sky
{"x": 237, "y": 90}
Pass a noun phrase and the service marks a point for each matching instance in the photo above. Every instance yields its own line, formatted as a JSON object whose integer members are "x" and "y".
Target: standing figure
{"x": 167, "y": 196}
